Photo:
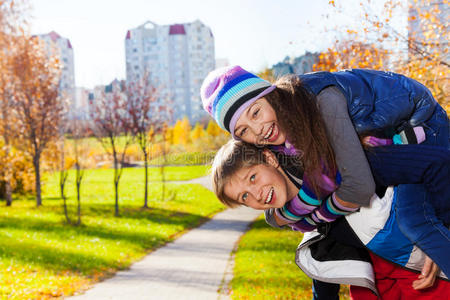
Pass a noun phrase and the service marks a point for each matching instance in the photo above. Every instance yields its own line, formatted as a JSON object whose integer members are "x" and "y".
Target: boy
{"x": 247, "y": 175}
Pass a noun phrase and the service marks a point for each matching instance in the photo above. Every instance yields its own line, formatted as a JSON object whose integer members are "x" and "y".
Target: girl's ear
{"x": 271, "y": 159}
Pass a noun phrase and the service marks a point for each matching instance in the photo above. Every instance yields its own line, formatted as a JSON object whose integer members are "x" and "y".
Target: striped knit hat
{"x": 227, "y": 92}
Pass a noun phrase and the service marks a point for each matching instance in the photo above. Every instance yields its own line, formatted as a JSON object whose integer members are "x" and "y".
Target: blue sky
{"x": 250, "y": 33}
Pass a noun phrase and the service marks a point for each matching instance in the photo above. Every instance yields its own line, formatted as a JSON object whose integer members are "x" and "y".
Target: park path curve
{"x": 193, "y": 267}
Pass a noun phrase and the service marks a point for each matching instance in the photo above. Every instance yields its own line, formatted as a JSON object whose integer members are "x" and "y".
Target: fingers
{"x": 426, "y": 281}
{"x": 427, "y": 266}
{"x": 366, "y": 141}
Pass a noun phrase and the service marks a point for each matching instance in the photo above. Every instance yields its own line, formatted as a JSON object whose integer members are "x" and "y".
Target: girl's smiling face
{"x": 258, "y": 125}
{"x": 261, "y": 186}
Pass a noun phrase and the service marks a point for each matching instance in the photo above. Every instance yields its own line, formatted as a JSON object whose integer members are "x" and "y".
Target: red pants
{"x": 395, "y": 283}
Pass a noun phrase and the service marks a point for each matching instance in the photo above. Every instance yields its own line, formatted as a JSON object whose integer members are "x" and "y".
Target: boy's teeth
{"x": 269, "y": 197}
{"x": 269, "y": 133}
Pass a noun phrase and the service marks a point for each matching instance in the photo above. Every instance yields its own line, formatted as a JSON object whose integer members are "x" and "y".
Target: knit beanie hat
{"x": 226, "y": 93}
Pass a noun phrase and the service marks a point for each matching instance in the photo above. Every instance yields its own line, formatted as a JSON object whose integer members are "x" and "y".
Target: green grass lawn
{"x": 265, "y": 266}
{"x": 42, "y": 257}
{"x": 190, "y": 158}
{"x": 134, "y": 175}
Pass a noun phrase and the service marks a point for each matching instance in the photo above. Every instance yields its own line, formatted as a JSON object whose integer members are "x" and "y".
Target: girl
{"x": 318, "y": 116}
{"x": 246, "y": 175}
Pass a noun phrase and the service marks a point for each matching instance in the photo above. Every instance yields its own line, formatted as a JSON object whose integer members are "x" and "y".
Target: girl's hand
{"x": 428, "y": 276}
{"x": 366, "y": 142}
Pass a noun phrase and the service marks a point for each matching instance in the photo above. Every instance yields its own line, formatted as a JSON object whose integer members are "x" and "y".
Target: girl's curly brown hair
{"x": 298, "y": 114}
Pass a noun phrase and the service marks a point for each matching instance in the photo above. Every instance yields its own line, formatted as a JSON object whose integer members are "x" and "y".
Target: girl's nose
{"x": 257, "y": 130}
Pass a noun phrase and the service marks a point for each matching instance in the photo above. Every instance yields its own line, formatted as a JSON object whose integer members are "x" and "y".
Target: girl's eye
{"x": 243, "y": 131}
{"x": 244, "y": 196}
{"x": 252, "y": 178}
{"x": 255, "y": 113}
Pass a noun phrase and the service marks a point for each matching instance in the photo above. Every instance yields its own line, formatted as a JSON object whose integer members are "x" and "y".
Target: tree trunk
{"x": 163, "y": 179}
{"x": 62, "y": 184}
{"x": 8, "y": 193}
{"x": 146, "y": 180}
{"x": 8, "y": 188}
{"x": 116, "y": 187}
{"x": 116, "y": 191}
{"x": 37, "y": 172}
{"x": 79, "y": 178}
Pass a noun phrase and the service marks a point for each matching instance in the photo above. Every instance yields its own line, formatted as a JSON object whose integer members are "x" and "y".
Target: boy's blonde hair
{"x": 230, "y": 158}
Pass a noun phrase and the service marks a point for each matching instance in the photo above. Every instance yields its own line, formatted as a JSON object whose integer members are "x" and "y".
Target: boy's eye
{"x": 244, "y": 196}
{"x": 252, "y": 178}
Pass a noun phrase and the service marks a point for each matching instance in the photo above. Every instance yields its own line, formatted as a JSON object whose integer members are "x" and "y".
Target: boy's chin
{"x": 278, "y": 205}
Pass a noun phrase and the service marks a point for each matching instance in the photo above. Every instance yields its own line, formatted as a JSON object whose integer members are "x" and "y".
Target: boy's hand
{"x": 428, "y": 276}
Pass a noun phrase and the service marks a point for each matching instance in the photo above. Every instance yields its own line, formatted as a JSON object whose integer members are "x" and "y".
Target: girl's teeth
{"x": 269, "y": 133}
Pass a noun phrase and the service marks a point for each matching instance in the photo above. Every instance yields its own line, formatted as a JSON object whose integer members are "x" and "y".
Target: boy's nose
{"x": 254, "y": 191}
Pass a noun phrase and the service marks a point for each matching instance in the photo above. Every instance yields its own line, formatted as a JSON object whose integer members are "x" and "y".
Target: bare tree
{"x": 162, "y": 117}
{"x": 39, "y": 107}
{"x": 142, "y": 97}
{"x": 111, "y": 126}
{"x": 63, "y": 169}
{"x": 77, "y": 129}
{"x": 166, "y": 135}
{"x": 162, "y": 114}
{"x": 78, "y": 133}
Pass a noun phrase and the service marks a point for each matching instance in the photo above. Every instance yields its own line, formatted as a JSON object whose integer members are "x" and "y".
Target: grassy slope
{"x": 265, "y": 266}
{"x": 41, "y": 256}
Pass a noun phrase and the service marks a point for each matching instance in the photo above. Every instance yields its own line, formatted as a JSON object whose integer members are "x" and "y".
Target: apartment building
{"x": 64, "y": 49}
{"x": 177, "y": 58}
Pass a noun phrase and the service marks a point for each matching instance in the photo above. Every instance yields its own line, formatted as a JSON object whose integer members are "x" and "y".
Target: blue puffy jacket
{"x": 377, "y": 99}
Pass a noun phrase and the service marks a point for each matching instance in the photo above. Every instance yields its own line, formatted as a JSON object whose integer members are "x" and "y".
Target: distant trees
{"x": 112, "y": 128}
{"x": 421, "y": 53}
{"x": 350, "y": 54}
{"x": 78, "y": 130}
{"x": 181, "y": 131}
{"x": 142, "y": 106}
{"x": 267, "y": 74}
{"x": 197, "y": 133}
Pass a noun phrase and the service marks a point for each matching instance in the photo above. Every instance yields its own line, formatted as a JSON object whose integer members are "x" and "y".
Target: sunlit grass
{"x": 265, "y": 266}
{"x": 41, "y": 256}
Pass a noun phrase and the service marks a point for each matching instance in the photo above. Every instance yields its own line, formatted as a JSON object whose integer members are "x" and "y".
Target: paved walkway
{"x": 192, "y": 267}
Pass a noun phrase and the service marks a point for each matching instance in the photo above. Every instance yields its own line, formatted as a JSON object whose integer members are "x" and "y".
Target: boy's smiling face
{"x": 258, "y": 125}
{"x": 260, "y": 186}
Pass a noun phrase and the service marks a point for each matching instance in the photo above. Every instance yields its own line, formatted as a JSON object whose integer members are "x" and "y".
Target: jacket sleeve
{"x": 357, "y": 184}
{"x": 424, "y": 103}
{"x": 394, "y": 100}
{"x": 407, "y": 164}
